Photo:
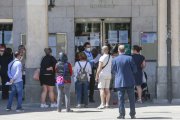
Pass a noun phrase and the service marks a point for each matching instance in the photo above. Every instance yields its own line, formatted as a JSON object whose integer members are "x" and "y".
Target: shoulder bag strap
{"x": 106, "y": 63}
{"x": 85, "y": 66}
{"x": 12, "y": 65}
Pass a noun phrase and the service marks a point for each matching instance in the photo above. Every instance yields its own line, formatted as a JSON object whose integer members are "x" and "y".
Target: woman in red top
{"x": 63, "y": 69}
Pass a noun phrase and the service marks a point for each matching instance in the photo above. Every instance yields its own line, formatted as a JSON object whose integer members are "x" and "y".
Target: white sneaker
{"x": 101, "y": 107}
{"x": 53, "y": 105}
{"x": 44, "y": 106}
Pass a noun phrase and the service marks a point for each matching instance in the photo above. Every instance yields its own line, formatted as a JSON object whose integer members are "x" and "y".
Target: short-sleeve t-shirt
{"x": 107, "y": 70}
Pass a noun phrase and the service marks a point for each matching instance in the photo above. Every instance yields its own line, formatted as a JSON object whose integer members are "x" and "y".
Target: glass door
{"x": 6, "y": 34}
{"x": 100, "y": 31}
{"x": 117, "y": 31}
{"x": 88, "y": 30}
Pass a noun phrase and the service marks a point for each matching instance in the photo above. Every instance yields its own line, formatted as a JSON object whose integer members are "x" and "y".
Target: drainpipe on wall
{"x": 169, "y": 41}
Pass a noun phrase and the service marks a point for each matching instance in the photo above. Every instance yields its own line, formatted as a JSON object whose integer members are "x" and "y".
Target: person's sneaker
{"x": 133, "y": 117}
{"x": 139, "y": 101}
{"x": 44, "y": 106}
{"x": 59, "y": 110}
{"x": 53, "y": 105}
{"x": 85, "y": 106}
{"x": 69, "y": 110}
{"x": 121, "y": 117}
{"x": 101, "y": 107}
{"x": 107, "y": 106}
{"x": 20, "y": 110}
{"x": 78, "y": 106}
{"x": 8, "y": 109}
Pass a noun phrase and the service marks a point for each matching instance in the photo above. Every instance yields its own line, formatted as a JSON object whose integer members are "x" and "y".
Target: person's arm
{"x": 56, "y": 67}
{"x": 113, "y": 66}
{"x": 18, "y": 71}
{"x": 9, "y": 72}
{"x": 99, "y": 70}
{"x": 89, "y": 70}
{"x": 70, "y": 69}
{"x": 143, "y": 64}
{"x": 133, "y": 65}
{"x": 75, "y": 71}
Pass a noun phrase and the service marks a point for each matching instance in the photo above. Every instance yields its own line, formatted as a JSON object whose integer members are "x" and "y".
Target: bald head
{"x": 121, "y": 48}
{"x": 105, "y": 49}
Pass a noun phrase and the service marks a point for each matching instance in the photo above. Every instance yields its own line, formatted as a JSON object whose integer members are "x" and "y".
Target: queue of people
{"x": 125, "y": 71}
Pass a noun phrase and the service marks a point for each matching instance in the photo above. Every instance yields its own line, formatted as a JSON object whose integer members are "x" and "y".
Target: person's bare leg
{"x": 107, "y": 96}
{"x": 139, "y": 92}
{"x": 44, "y": 94}
{"x": 51, "y": 93}
{"x": 102, "y": 96}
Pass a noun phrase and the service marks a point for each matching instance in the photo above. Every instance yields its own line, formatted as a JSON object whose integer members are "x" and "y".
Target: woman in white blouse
{"x": 82, "y": 79}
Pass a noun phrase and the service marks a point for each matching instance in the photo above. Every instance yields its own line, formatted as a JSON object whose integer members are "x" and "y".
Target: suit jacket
{"x": 124, "y": 68}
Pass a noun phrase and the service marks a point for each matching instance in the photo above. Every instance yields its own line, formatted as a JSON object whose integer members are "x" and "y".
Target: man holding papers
{"x": 15, "y": 75}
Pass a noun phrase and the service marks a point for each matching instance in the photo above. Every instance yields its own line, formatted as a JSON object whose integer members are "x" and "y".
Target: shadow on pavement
{"x": 155, "y": 118}
{"x": 87, "y": 111}
{"x": 26, "y": 110}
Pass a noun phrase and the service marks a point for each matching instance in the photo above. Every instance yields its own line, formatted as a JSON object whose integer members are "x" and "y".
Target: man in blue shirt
{"x": 15, "y": 75}
{"x": 124, "y": 68}
{"x": 87, "y": 51}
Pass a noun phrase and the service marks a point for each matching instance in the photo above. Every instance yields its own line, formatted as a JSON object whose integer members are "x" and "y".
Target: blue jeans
{"x": 82, "y": 91}
{"x": 131, "y": 96}
{"x": 16, "y": 88}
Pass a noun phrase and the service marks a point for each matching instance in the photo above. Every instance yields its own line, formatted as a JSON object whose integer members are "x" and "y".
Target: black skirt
{"x": 47, "y": 80}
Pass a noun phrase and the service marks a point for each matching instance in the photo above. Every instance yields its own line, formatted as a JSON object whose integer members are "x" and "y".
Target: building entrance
{"x": 99, "y": 31}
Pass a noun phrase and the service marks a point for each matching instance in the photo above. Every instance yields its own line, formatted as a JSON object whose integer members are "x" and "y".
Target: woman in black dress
{"x": 47, "y": 78}
{"x": 140, "y": 63}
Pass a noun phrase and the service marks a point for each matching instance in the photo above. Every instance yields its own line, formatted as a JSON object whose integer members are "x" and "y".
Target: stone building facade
{"x": 35, "y": 26}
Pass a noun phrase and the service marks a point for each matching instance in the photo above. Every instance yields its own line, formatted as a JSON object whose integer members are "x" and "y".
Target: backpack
{"x": 82, "y": 74}
{"x": 64, "y": 74}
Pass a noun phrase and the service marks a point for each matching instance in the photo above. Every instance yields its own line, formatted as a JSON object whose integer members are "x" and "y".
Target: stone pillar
{"x": 175, "y": 49}
{"x": 162, "y": 52}
{"x": 37, "y": 40}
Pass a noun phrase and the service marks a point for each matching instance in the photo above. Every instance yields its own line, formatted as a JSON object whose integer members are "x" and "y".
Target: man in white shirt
{"x": 103, "y": 77}
{"x": 15, "y": 75}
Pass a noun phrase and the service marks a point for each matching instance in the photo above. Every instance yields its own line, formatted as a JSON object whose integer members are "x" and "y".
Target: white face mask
{"x": 88, "y": 49}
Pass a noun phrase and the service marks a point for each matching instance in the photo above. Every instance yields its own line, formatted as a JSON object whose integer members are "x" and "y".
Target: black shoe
{"x": 91, "y": 101}
{"x": 85, "y": 106}
{"x": 133, "y": 117}
{"x": 121, "y": 117}
{"x": 69, "y": 110}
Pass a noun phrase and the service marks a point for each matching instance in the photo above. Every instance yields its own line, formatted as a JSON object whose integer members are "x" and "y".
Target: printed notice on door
{"x": 113, "y": 36}
{"x": 123, "y": 36}
{"x": 8, "y": 37}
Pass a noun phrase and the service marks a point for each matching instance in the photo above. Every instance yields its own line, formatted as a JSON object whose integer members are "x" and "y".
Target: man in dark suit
{"x": 123, "y": 67}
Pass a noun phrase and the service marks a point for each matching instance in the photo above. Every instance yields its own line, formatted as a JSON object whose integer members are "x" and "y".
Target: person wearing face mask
{"x": 103, "y": 77}
{"x": 87, "y": 51}
{"x": 5, "y": 59}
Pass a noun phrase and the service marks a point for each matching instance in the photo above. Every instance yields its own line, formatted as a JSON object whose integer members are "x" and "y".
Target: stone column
{"x": 162, "y": 52}
{"x": 175, "y": 50}
{"x": 37, "y": 40}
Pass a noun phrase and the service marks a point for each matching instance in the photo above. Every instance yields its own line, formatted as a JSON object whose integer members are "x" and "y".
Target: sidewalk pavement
{"x": 144, "y": 111}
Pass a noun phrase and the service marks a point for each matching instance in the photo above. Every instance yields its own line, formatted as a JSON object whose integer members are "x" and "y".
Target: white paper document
{"x": 8, "y": 83}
